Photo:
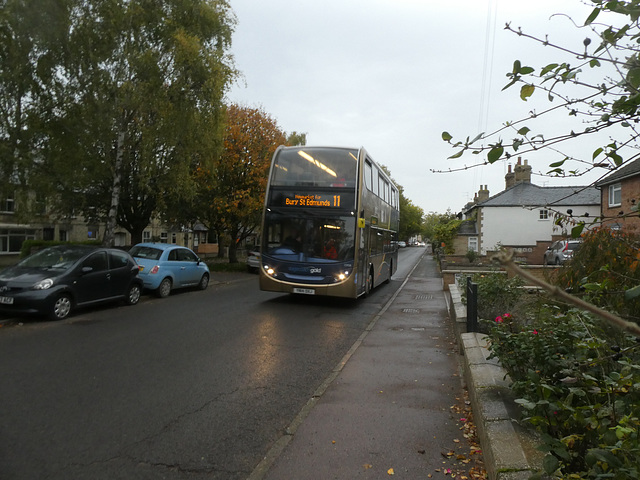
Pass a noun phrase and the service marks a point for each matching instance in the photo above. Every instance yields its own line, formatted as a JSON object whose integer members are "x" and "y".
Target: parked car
{"x": 56, "y": 280}
{"x": 253, "y": 261}
{"x": 402, "y": 244}
{"x": 561, "y": 251}
{"x": 165, "y": 267}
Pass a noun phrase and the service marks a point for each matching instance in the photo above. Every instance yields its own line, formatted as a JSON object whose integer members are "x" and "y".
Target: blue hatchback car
{"x": 165, "y": 267}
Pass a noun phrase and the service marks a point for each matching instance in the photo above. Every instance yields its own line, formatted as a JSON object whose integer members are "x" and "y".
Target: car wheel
{"x": 204, "y": 282}
{"x": 164, "y": 289}
{"x": 61, "y": 308}
{"x": 133, "y": 294}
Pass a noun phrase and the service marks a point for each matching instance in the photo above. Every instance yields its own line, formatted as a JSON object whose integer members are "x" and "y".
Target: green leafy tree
{"x": 31, "y": 33}
{"x": 442, "y": 228}
{"x": 410, "y": 217}
{"x": 128, "y": 99}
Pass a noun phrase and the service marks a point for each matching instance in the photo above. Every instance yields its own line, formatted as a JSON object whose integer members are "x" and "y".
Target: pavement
{"x": 394, "y": 407}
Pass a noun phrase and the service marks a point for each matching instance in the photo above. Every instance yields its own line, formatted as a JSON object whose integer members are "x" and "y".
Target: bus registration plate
{"x": 304, "y": 291}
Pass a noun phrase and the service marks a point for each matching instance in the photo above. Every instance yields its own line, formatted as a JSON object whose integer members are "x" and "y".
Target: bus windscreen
{"x": 319, "y": 167}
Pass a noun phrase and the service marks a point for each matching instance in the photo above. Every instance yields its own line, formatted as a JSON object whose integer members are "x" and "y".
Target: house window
{"x": 544, "y": 214}
{"x": 62, "y": 234}
{"x": 146, "y": 236}
{"x": 473, "y": 244}
{"x": 615, "y": 195}
{"x": 11, "y": 240}
{"x": 163, "y": 237}
{"x": 7, "y": 204}
{"x": 48, "y": 234}
{"x": 174, "y": 238}
{"x": 92, "y": 233}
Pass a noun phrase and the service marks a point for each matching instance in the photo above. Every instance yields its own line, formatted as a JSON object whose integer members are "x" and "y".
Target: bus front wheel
{"x": 369, "y": 283}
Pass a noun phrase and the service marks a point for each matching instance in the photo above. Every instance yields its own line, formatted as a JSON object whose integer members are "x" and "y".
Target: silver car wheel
{"x": 61, "y": 308}
{"x": 133, "y": 296}
{"x": 165, "y": 288}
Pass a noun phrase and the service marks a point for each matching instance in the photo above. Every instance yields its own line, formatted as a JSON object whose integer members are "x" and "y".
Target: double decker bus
{"x": 330, "y": 223}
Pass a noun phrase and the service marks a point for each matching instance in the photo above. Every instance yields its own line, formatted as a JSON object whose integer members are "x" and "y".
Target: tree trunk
{"x": 109, "y": 233}
{"x": 233, "y": 250}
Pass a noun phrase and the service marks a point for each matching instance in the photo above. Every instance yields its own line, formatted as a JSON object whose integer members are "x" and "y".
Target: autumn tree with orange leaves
{"x": 232, "y": 190}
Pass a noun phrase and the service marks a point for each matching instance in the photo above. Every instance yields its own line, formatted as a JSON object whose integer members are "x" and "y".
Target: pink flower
{"x": 535, "y": 332}
{"x": 506, "y": 315}
{"x": 498, "y": 319}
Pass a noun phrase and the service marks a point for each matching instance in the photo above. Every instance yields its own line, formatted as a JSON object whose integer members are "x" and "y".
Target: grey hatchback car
{"x": 55, "y": 280}
{"x": 561, "y": 252}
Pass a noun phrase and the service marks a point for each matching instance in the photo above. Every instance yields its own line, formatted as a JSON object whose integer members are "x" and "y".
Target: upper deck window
{"x": 321, "y": 167}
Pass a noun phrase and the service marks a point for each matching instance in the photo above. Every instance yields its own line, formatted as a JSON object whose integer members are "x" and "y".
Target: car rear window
{"x": 149, "y": 253}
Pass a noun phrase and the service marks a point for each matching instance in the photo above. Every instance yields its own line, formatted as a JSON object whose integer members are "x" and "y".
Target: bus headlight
{"x": 269, "y": 271}
{"x": 342, "y": 276}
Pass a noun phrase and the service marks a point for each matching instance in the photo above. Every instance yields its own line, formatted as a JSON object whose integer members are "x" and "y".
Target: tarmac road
{"x": 198, "y": 385}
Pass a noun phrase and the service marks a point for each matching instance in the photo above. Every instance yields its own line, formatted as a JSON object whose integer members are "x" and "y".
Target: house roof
{"x": 629, "y": 170}
{"x": 530, "y": 195}
{"x": 468, "y": 227}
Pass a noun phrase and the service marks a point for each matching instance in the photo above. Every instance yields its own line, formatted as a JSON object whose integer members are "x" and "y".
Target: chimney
{"x": 509, "y": 179}
{"x": 483, "y": 194}
{"x": 523, "y": 172}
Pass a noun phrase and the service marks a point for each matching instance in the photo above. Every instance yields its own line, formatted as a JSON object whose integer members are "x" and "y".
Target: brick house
{"x": 620, "y": 194}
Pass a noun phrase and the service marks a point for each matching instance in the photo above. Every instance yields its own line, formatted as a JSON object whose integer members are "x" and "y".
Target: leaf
{"x": 548, "y": 68}
{"x": 516, "y": 66}
{"x": 577, "y": 230}
{"x": 550, "y": 464}
{"x": 446, "y": 136}
{"x": 390, "y": 472}
{"x": 495, "y": 154}
{"x": 526, "y": 91}
{"x": 558, "y": 164}
{"x": 597, "y": 152}
{"x": 478, "y": 137}
{"x": 592, "y": 16}
{"x": 457, "y": 155}
{"x": 632, "y": 293}
{"x": 523, "y": 131}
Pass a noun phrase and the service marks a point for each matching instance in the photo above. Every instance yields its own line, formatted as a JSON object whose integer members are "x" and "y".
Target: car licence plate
{"x": 304, "y": 291}
{"x": 6, "y": 300}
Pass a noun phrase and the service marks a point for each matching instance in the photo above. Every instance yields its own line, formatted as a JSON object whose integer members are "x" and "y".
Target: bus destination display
{"x": 313, "y": 200}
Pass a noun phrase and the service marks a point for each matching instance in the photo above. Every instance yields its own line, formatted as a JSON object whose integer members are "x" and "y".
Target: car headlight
{"x": 43, "y": 284}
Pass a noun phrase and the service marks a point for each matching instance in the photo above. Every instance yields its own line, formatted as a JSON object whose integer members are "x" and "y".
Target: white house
{"x": 527, "y": 217}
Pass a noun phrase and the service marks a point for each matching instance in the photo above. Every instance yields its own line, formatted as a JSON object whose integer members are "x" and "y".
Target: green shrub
{"x": 578, "y": 382}
{"x": 606, "y": 265}
{"x": 498, "y": 294}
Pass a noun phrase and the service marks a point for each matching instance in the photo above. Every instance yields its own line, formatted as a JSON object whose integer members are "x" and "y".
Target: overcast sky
{"x": 392, "y": 75}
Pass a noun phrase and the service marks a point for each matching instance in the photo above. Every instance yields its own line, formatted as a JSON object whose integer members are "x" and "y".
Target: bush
{"x": 497, "y": 294}
{"x": 606, "y": 265}
{"x": 578, "y": 382}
